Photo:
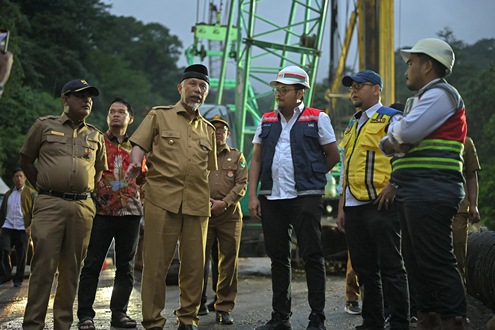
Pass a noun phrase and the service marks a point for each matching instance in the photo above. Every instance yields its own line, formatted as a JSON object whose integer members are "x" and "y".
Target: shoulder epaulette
{"x": 208, "y": 122}
{"x": 48, "y": 117}
{"x": 94, "y": 127}
{"x": 163, "y": 107}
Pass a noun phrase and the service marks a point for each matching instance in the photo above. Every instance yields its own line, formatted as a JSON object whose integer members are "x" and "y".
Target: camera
{"x": 4, "y": 40}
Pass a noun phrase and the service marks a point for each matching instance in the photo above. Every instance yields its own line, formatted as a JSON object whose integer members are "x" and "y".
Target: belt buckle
{"x": 69, "y": 196}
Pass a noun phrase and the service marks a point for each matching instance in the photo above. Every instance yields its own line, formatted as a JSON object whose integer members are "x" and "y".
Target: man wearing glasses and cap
{"x": 367, "y": 210}
{"x": 182, "y": 152}
{"x": 71, "y": 158}
{"x": 294, "y": 148}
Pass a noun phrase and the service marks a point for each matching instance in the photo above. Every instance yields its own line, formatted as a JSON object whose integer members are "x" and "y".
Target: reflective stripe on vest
{"x": 451, "y": 161}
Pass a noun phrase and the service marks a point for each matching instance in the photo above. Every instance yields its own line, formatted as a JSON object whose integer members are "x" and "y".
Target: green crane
{"x": 254, "y": 44}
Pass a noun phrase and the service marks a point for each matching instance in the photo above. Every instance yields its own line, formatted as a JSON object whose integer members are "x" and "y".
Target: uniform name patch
{"x": 57, "y": 133}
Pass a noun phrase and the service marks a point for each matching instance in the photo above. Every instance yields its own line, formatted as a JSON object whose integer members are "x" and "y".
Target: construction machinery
{"x": 246, "y": 43}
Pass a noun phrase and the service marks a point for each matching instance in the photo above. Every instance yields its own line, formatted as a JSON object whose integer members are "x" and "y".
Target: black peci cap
{"x": 198, "y": 71}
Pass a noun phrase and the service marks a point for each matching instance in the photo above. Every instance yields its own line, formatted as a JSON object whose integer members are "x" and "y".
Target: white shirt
{"x": 429, "y": 113}
{"x": 284, "y": 185}
{"x": 14, "y": 218}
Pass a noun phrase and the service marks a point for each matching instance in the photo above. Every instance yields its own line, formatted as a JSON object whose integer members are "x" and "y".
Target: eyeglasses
{"x": 358, "y": 86}
{"x": 282, "y": 91}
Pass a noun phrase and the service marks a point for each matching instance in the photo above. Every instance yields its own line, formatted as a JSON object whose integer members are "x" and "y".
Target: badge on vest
{"x": 230, "y": 174}
{"x": 378, "y": 120}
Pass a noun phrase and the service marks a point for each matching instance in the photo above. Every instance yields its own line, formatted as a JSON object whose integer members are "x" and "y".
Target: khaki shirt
{"x": 181, "y": 151}
{"x": 471, "y": 164}
{"x": 68, "y": 157}
{"x": 229, "y": 182}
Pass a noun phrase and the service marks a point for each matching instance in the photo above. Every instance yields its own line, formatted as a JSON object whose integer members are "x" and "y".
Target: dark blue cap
{"x": 363, "y": 76}
{"x": 79, "y": 85}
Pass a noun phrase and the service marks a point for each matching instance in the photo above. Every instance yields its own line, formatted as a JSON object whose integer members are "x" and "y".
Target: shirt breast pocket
{"x": 205, "y": 148}
{"x": 88, "y": 149}
{"x": 228, "y": 171}
{"x": 55, "y": 145}
{"x": 169, "y": 140}
{"x": 311, "y": 133}
{"x": 372, "y": 136}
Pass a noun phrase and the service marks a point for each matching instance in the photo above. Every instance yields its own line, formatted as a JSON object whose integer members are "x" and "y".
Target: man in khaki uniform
{"x": 182, "y": 151}
{"x": 468, "y": 209}
{"x": 71, "y": 157}
{"x": 227, "y": 187}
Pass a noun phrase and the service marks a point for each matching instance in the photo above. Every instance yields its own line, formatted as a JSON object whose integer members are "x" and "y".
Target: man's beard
{"x": 194, "y": 105}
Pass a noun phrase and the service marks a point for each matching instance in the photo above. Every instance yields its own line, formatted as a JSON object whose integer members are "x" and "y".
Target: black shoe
{"x": 211, "y": 306}
{"x": 224, "y": 318}
{"x": 187, "y": 327}
{"x": 203, "y": 310}
{"x": 316, "y": 322}
{"x": 278, "y": 322}
{"x": 17, "y": 284}
{"x": 366, "y": 327}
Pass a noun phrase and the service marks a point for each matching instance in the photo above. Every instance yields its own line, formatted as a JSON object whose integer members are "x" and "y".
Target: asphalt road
{"x": 253, "y": 304}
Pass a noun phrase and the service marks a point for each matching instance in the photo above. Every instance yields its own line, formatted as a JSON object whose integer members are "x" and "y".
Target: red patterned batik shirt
{"x": 113, "y": 194}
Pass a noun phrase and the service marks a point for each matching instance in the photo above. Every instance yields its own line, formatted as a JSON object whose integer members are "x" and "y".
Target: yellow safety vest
{"x": 367, "y": 170}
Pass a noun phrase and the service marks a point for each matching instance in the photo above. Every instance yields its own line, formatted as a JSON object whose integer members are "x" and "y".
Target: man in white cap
{"x": 429, "y": 182}
{"x": 294, "y": 147}
{"x": 181, "y": 150}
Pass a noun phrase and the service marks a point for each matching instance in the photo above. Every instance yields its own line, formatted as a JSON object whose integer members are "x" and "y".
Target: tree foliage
{"x": 55, "y": 41}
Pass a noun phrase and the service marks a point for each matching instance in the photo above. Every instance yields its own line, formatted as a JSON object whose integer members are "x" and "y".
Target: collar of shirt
{"x": 421, "y": 90}
{"x": 66, "y": 119}
{"x": 297, "y": 110}
{"x": 113, "y": 138}
{"x": 20, "y": 189}
{"x": 222, "y": 148}
{"x": 368, "y": 113}
{"x": 179, "y": 108}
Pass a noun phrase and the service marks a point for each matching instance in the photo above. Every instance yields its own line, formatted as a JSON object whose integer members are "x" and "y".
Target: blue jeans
{"x": 125, "y": 230}
{"x": 374, "y": 242}
{"x": 303, "y": 216}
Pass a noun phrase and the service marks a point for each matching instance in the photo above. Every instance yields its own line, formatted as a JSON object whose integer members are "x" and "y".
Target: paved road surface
{"x": 253, "y": 304}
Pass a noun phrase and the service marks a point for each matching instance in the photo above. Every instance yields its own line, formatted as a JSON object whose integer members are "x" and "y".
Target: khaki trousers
{"x": 351, "y": 284}
{"x": 227, "y": 230}
{"x": 459, "y": 236}
{"x": 60, "y": 231}
{"x": 162, "y": 230}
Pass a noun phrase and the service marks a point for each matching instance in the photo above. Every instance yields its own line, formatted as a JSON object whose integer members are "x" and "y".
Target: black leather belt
{"x": 64, "y": 195}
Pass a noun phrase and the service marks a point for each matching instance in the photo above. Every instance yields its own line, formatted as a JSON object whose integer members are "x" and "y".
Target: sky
{"x": 470, "y": 20}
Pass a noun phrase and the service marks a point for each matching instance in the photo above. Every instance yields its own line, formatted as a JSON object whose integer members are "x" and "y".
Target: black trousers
{"x": 374, "y": 242}
{"x": 429, "y": 256}
{"x": 125, "y": 231}
{"x": 17, "y": 239}
{"x": 279, "y": 219}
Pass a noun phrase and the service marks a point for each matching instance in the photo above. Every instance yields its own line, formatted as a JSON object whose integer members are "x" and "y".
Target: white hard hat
{"x": 292, "y": 75}
{"x": 435, "y": 48}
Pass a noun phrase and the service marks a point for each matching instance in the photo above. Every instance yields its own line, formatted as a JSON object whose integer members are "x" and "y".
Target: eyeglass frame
{"x": 358, "y": 86}
{"x": 283, "y": 91}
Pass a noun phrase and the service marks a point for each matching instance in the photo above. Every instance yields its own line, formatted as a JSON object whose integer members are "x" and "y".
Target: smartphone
{"x": 4, "y": 40}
